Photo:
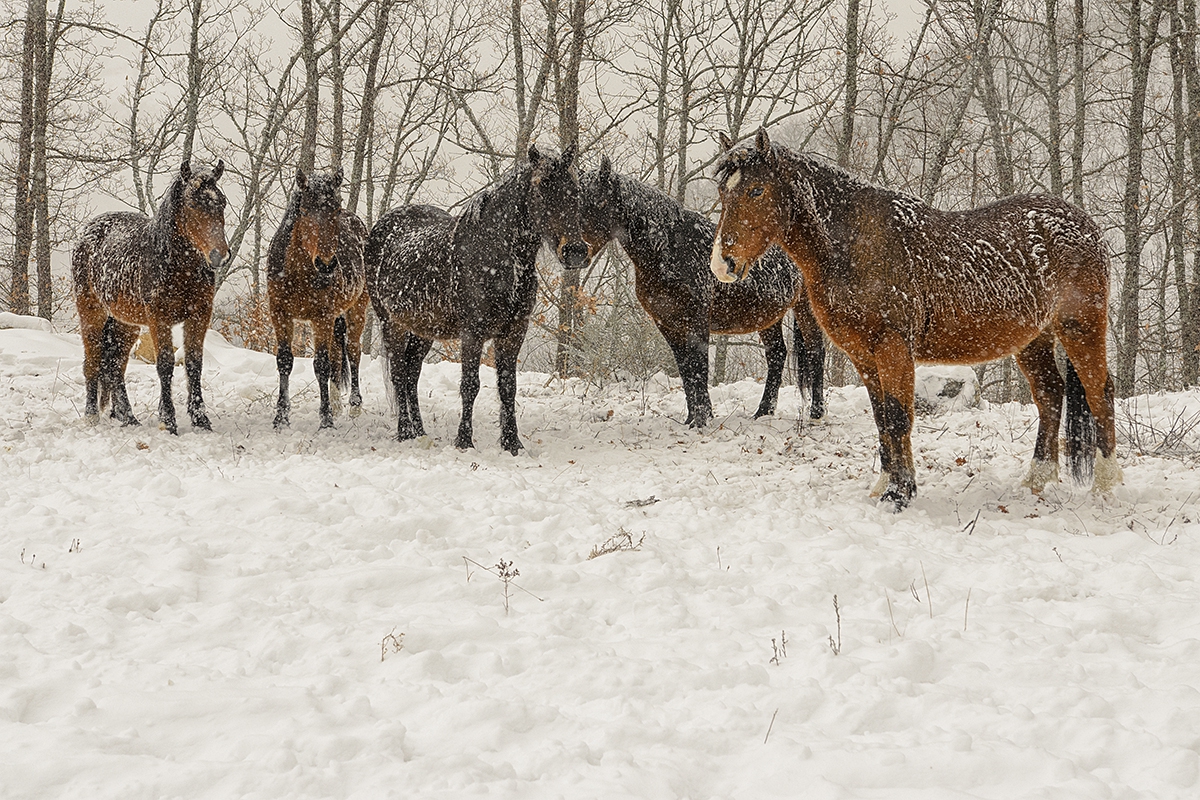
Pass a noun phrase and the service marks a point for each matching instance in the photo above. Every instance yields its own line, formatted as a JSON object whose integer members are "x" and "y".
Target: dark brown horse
{"x": 435, "y": 276}
{"x": 895, "y": 282}
{"x": 131, "y": 270}
{"x": 315, "y": 273}
{"x": 669, "y": 247}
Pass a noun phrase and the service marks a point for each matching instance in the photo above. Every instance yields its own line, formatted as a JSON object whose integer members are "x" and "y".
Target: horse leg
{"x": 468, "y": 387}
{"x": 118, "y": 341}
{"x": 356, "y": 321}
{"x": 92, "y": 317}
{"x": 1086, "y": 350}
{"x": 323, "y": 338}
{"x": 870, "y": 379}
{"x": 160, "y": 334}
{"x": 395, "y": 341}
{"x": 894, "y": 362}
{"x": 507, "y": 350}
{"x": 809, "y": 343}
{"x": 194, "y": 329}
{"x": 284, "y": 361}
{"x": 691, "y": 358}
{"x": 339, "y": 372}
{"x": 415, "y": 351}
{"x": 776, "y": 350}
{"x": 1036, "y": 361}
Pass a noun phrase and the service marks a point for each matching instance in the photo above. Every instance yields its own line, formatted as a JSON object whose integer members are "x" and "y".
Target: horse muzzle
{"x": 216, "y": 259}
{"x": 325, "y": 270}
{"x": 574, "y": 255}
{"x": 723, "y": 267}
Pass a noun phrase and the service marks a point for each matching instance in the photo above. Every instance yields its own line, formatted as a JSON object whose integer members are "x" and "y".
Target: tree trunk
{"x": 1190, "y": 323}
{"x": 34, "y": 41}
{"x": 194, "y": 76}
{"x": 1054, "y": 99}
{"x": 1140, "y": 55}
{"x": 1080, "y": 121}
{"x": 850, "y": 92}
{"x": 366, "y": 115}
{"x": 312, "y": 89}
{"x": 40, "y": 187}
{"x": 566, "y": 92}
{"x": 338, "y": 75}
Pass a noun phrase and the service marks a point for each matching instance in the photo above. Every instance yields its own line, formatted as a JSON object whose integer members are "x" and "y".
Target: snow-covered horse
{"x": 131, "y": 270}
{"x": 315, "y": 273}
{"x": 432, "y": 275}
{"x": 669, "y": 247}
{"x": 893, "y": 282}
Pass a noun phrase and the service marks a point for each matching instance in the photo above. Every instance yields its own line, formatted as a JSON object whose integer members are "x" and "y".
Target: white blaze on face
{"x": 716, "y": 263}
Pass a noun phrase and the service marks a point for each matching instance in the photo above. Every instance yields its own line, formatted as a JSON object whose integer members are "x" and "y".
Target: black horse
{"x": 670, "y": 247}
{"x": 432, "y": 275}
{"x": 131, "y": 270}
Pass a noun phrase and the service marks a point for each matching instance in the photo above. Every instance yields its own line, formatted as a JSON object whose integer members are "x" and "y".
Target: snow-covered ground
{"x": 208, "y": 615}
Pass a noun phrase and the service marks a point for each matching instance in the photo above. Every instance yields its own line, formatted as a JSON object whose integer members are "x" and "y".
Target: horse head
{"x": 598, "y": 204}
{"x": 319, "y": 211}
{"x": 200, "y": 217}
{"x": 761, "y": 203}
{"x": 554, "y": 206}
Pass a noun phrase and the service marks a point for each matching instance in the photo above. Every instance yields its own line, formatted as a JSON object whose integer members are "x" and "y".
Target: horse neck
{"x": 647, "y": 224}
{"x": 168, "y": 244}
{"x": 503, "y": 215}
{"x": 280, "y": 242}
{"x": 812, "y": 244}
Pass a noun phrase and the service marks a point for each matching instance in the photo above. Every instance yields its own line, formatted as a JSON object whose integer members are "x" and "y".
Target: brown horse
{"x": 315, "y": 273}
{"x": 669, "y": 247}
{"x": 894, "y": 282}
{"x": 131, "y": 270}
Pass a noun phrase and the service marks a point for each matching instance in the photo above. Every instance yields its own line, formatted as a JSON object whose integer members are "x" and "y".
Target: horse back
{"x": 409, "y": 271}
{"x": 114, "y": 263}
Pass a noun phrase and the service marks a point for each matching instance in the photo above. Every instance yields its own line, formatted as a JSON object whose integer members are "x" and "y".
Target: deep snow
{"x": 204, "y": 615}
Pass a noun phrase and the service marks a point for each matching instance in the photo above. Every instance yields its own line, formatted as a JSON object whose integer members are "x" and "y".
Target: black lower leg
{"x": 283, "y": 362}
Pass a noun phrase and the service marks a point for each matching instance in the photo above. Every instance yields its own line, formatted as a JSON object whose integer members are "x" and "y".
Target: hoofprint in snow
{"x": 218, "y": 615}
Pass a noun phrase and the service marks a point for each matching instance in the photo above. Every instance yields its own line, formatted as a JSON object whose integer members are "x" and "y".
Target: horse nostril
{"x": 731, "y": 265}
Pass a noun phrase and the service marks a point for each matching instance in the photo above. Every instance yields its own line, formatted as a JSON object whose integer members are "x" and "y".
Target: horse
{"x": 669, "y": 247}
{"x": 894, "y": 282}
{"x": 432, "y": 275}
{"x": 315, "y": 273}
{"x": 129, "y": 270}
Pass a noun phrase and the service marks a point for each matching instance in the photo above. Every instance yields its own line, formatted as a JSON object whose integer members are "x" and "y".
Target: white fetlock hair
{"x": 1040, "y": 473}
{"x": 1107, "y": 473}
{"x": 880, "y": 485}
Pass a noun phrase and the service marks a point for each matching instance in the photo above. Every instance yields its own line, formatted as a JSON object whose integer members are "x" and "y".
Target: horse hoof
{"x": 513, "y": 448}
{"x": 281, "y": 423}
{"x": 355, "y": 411}
{"x": 464, "y": 444}
{"x": 326, "y": 423}
{"x": 895, "y": 498}
{"x": 763, "y": 412}
{"x": 91, "y": 420}
{"x": 880, "y": 485}
{"x": 202, "y": 424}
{"x": 169, "y": 427}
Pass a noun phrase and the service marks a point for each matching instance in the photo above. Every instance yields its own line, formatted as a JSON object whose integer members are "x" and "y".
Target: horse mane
{"x": 277, "y": 248}
{"x": 162, "y": 228}
{"x": 648, "y": 214}
{"x": 480, "y": 202}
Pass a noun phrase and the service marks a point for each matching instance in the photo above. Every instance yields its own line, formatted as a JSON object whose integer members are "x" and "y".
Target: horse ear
{"x": 219, "y": 169}
{"x": 301, "y": 178}
{"x": 185, "y": 171}
{"x": 762, "y": 141}
{"x": 605, "y": 173}
{"x": 534, "y": 155}
{"x": 568, "y": 155}
{"x": 726, "y": 142}
{"x": 338, "y": 176}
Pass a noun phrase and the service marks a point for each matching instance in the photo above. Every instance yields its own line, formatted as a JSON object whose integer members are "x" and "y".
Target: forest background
{"x": 958, "y": 102}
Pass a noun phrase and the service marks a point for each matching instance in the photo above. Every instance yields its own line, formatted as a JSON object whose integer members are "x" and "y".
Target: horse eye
{"x": 755, "y": 191}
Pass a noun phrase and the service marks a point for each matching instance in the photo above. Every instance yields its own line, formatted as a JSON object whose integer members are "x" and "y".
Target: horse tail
{"x": 386, "y": 357}
{"x": 804, "y": 357}
{"x": 1081, "y": 429}
{"x": 341, "y": 370}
